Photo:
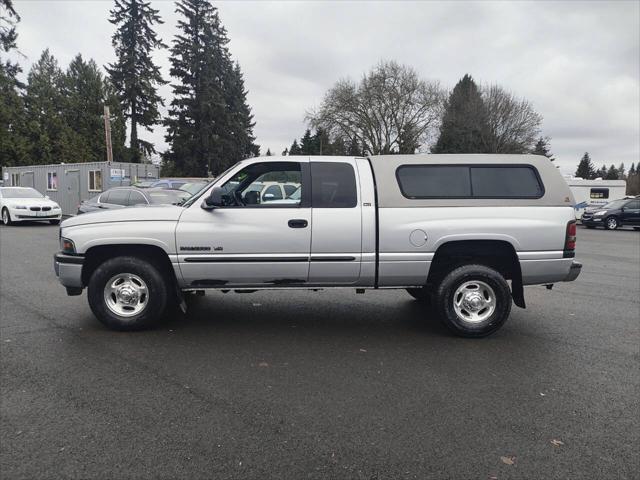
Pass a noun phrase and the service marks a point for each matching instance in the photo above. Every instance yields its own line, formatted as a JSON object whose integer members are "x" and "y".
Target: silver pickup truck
{"x": 450, "y": 229}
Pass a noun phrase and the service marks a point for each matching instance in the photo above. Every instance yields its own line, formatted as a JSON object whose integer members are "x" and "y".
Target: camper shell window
{"x": 95, "y": 180}
{"x": 469, "y": 181}
{"x": 52, "y": 181}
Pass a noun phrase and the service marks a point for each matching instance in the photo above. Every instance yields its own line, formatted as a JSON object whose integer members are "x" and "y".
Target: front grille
{"x": 31, "y": 217}
{"x": 46, "y": 209}
{"x": 35, "y": 209}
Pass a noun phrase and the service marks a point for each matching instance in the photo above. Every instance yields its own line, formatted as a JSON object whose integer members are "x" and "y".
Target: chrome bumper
{"x": 68, "y": 269}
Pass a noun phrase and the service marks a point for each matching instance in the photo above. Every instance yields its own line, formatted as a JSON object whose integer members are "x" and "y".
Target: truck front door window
{"x": 261, "y": 185}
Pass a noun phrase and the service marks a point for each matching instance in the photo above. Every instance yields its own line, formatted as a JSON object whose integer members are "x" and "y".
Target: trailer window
{"x": 333, "y": 185}
{"x": 52, "y": 181}
{"x": 597, "y": 193}
{"x": 469, "y": 181}
{"x": 95, "y": 180}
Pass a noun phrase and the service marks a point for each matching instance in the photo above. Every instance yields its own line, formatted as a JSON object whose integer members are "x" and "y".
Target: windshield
{"x": 203, "y": 190}
{"x": 193, "y": 188}
{"x": 615, "y": 204}
{"x": 167, "y": 197}
{"x": 21, "y": 193}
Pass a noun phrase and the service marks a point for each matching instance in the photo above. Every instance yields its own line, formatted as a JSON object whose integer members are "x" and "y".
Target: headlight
{"x": 600, "y": 212}
{"x": 67, "y": 246}
{"x": 19, "y": 207}
{"x": 56, "y": 207}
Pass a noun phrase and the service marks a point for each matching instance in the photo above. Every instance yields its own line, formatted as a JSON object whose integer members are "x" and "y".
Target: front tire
{"x": 611, "y": 223}
{"x": 473, "y": 301}
{"x": 128, "y": 293}
{"x": 6, "y": 217}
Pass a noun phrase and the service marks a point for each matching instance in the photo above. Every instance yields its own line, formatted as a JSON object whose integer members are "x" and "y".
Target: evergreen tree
{"x": 49, "y": 138}
{"x": 465, "y": 122}
{"x": 13, "y": 146}
{"x": 612, "y": 173}
{"x": 209, "y": 124}
{"x": 585, "y": 167}
{"x": 82, "y": 87}
{"x": 621, "y": 172}
{"x": 307, "y": 144}
{"x": 632, "y": 169}
{"x": 268, "y": 154}
{"x": 542, "y": 148}
{"x": 285, "y": 152}
{"x": 602, "y": 172}
{"x": 134, "y": 75}
{"x": 295, "y": 148}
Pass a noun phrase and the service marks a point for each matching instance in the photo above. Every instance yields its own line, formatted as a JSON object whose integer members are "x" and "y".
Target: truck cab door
{"x": 249, "y": 241}
{"x": 336, "y": 241}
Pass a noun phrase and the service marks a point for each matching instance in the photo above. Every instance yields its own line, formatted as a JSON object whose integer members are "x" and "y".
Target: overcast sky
{"x": 577, "y": 62}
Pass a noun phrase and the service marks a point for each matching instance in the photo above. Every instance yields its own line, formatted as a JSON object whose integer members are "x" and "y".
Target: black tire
{"x": 54, "y": 222}
{"x": 6, "y": 217}
{"x": 444, "y": 300}
{"x": 611, "y": 223}
{"x": 158, "y": 287}
{"x": 423, "y": 295}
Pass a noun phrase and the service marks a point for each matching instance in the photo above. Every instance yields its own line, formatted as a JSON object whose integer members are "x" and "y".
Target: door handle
{"x": 298, "y": 223}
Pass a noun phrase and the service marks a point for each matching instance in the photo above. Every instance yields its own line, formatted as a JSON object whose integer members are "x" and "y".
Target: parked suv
{"x": 614, "y": 214}
{"x": 453, "y": 230}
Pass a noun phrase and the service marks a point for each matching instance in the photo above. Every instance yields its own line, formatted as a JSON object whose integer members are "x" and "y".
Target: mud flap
{"x": 517, "y": 291}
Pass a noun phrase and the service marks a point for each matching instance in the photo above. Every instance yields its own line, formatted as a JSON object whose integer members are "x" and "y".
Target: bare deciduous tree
{"x": 391, "y": 110}
{"x": 513, "y": 123}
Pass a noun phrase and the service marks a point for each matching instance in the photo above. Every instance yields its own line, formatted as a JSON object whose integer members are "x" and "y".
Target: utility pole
{"x": 107, "y": 134}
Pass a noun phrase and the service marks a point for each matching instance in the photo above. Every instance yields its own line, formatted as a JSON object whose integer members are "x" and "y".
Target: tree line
{"x": 57, "y": 115}
{"x": 391, "y": 110}
{"x": 587, "y": 170}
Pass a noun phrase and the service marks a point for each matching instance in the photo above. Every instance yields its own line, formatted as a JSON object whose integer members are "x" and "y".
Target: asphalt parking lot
{"x": 321, "y": 384}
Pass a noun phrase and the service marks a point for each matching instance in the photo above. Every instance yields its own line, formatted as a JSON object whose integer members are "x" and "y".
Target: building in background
{"x": 71, "y": 183}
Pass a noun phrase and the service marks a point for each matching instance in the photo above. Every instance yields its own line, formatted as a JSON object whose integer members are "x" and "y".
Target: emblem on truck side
{"x": 195, "y": 249}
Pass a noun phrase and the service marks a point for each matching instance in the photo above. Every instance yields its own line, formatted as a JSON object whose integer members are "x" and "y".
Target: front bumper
{"x": 68, "y": 269}
{"x": 18, "y": 215}
{"x": 574, "y": 271}
{"x": 592, "y": 221}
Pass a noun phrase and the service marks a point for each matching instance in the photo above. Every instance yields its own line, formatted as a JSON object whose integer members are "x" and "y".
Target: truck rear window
{"x": 469, "y": 181}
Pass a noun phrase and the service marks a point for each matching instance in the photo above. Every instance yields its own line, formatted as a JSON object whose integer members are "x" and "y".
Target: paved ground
{"x": 321, "y": 385}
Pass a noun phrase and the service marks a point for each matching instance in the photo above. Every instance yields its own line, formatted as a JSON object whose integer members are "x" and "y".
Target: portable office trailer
{"x": 68, "y": 184}
{"x": 595, "y": 192}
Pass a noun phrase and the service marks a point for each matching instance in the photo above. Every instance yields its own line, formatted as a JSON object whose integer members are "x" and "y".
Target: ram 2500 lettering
{"x": 450, "y": 229}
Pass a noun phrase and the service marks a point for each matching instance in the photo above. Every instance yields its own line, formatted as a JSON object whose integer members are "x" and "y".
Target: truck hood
{"x": 129, "y": 214}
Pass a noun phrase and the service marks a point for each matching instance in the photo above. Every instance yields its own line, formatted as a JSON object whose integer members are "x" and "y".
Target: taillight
{"x": 570, "y": 239}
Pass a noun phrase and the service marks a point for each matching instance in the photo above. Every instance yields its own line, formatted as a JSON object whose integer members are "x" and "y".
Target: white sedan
{"x": 19, "y": 204}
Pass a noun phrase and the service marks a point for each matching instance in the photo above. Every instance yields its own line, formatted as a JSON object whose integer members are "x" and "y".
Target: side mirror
{"x": 216, "y": 199}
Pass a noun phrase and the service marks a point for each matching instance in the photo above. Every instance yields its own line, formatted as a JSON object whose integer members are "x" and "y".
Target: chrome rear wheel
{"x": 474, "y": 301}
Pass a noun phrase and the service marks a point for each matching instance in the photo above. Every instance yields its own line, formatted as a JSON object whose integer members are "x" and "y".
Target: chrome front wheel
{"x": 126, "y": 294}
{"x": 6, "y": 219}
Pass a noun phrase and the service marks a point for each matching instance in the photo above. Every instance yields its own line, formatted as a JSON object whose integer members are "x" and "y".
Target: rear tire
{"x": 6, "y": 217}
{"x": 611, "y": 223}
{"x": 473, "y": 301}
{"x": 128, "y": 293}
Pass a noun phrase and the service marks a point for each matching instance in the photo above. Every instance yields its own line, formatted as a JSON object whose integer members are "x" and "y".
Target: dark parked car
{"x": 121, "y": 197}
{"x": 614, "y": 214}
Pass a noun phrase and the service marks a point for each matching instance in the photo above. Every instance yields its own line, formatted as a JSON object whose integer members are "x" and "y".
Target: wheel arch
{"x": 96, "y": 255}
{"x": 499, "y": 254}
